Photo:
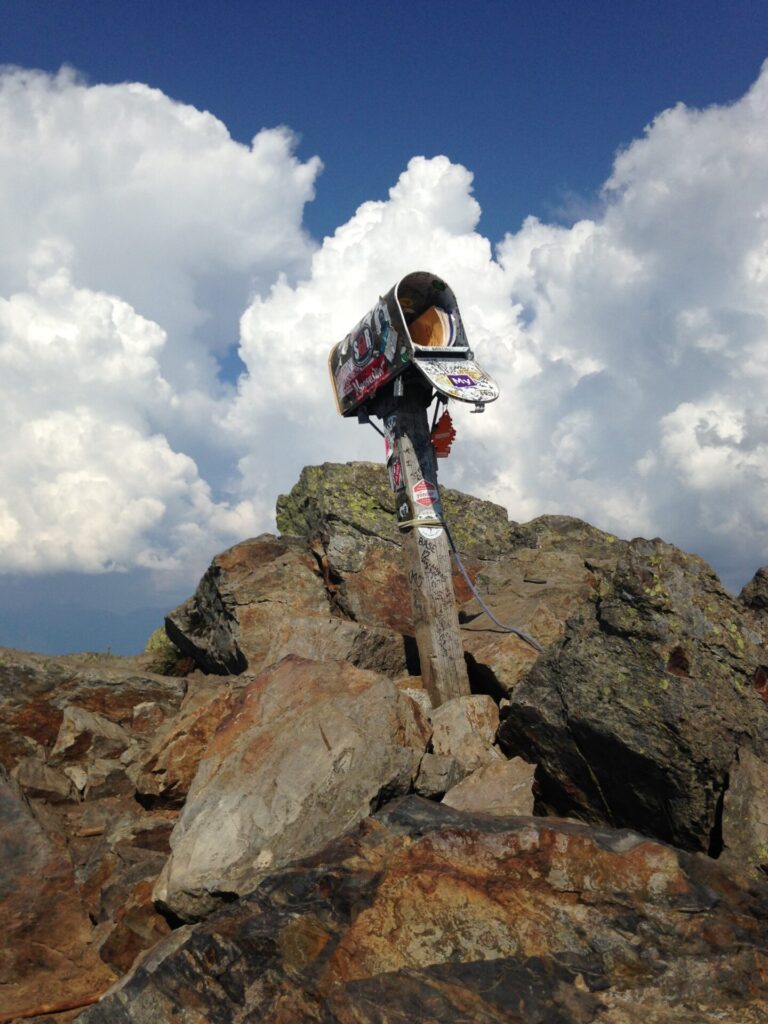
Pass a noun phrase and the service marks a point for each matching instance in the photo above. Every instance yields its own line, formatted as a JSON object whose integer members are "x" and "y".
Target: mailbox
{"x": 415, "y": 326}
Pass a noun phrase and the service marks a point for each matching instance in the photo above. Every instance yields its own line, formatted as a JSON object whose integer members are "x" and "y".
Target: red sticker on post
{"x": 425, "y": 493}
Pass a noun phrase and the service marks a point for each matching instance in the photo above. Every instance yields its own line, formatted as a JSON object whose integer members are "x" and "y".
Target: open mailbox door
{"x": 416, "y": 324}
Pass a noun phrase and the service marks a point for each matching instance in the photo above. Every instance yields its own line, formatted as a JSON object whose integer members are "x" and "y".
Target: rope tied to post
{"x": 406, "y": 524}
{"x": 507, "y": 629}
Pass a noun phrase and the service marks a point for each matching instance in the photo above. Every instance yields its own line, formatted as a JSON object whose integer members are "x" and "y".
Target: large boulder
{"x": 270, "y": 597}
{"x": 636, "y": 717}
{"x": 431, "y": 915}
{"x": 309, "y": 750}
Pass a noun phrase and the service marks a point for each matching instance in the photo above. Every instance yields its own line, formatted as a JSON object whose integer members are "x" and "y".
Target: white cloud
{"x": 126, "y": 216}
{"x": 632, "y": 348}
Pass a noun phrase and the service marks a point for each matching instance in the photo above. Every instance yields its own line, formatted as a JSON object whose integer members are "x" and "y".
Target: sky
{"x": 198, "y": 200}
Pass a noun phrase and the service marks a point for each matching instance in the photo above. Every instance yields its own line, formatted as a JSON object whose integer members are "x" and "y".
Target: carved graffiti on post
{"x": 427, "y": 554}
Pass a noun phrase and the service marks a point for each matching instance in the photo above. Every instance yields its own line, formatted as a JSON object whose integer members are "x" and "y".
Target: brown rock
{"x": 465, "y": 728}
{"x": 48, "y": 953}
{"x": 39, "y": 781}
{"x": 267, "y": 598}
{"x": 501, "y": 787}
{"x": 35, "y": 690}
{"x": 118, "y": 850}
{"x": 309, "y": 751}
{"x": 436, "y": 916}
{"x": 533, "y": 590}
{"x": 170, "y": 764}
{"x": 84, "y": 732}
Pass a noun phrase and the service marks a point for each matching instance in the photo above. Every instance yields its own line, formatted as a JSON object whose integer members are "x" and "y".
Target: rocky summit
{"x": 264, "y": 818}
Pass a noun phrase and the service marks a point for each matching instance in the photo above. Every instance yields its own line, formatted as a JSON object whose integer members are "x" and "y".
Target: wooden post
{"x": 426, "y": 551}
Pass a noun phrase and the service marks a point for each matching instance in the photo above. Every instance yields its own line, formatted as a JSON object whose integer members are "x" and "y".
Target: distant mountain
{"x": 68, "y": 630}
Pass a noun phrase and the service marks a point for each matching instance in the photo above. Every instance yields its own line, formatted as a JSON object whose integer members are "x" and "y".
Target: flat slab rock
{"x": 427, "y": 914}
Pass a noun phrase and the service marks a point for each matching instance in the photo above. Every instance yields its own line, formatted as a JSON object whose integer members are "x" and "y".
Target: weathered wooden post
{"x": 410, "y": 345}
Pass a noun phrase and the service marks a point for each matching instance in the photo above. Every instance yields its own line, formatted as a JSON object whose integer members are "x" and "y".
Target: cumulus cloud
{"x": 134, "y": 231}
{"x": 631, "y": 347}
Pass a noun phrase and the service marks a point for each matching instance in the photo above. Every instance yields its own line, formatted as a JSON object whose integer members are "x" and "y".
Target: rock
{"x": 267, "y": 598}
{"x": 755, "y": 593}
{"x": 347, "y": 514}
{"x": 118, "y": 850}
{"x": 171, "y": 761}
{"x": 536, "y": 591}
{"x": 635, "y": 717}
{"x": 48, "y": 956}
{"x": 83, "y": 732}
{"x": 501, "y": 787}
{"x": 146, "y": 717}
{"x": 310, "y": 750}
{"x": 39, "y": 781}
{"x": 437, "y": 774}
{"x": 35, "y": 690}
{"x": 431, "y": 915}
{"x": 421, "y": 697}
{"x": 745, "y": 811}
{"x": 465, "y": 728}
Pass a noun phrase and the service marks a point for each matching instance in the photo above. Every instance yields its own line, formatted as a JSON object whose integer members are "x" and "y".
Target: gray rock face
{"x": 437, "y": 774}
{"x": 310, "y": 750}
{"x": 636, "y": 716}
{"x": 745, "y": 812}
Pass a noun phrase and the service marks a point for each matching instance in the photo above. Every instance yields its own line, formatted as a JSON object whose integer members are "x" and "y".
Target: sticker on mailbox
{"x": 425, "y": 493}
{"x": 461, "y": 380}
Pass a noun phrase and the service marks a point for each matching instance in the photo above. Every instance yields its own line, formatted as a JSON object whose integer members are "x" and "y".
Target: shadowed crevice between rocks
{"x": 716, "y": 835}
{"x": 482, "y": 679}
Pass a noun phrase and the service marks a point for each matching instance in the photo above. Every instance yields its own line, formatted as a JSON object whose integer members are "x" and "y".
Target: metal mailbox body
{"x": 380, "y": 348}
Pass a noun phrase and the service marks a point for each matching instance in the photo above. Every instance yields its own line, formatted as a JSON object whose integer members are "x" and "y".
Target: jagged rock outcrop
{"x": 755, "y": 594}
{"x": 652, "y": 676}
{"x": 78, "y": 854}
{"x": 427, "y": 914}
{"x": 265, "y": 599}
{"x": 157, "y": 798}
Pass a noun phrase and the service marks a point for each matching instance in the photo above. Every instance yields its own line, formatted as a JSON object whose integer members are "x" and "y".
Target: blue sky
{"x": 534, "y": 98}
{"x": 530, "y": 104}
